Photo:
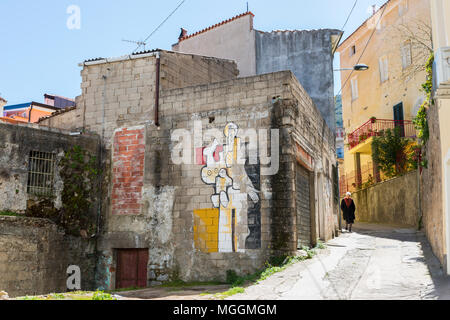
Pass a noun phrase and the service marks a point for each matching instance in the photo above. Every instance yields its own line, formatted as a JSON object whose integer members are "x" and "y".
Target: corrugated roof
{"x": 28, "y": 104}
{"x": 17, "y": 106}
{"x": 216, "y": 25}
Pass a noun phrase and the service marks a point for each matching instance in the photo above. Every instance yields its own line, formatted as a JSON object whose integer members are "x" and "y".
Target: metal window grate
{"x": 40, "y": 173}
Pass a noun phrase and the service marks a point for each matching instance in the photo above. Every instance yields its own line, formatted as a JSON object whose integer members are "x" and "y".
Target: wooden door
{"x": 399, "y": 118}
{"x": 131, "y": 268}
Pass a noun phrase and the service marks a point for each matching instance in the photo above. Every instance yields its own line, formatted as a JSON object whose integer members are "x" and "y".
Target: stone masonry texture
{"x": 168, "y": 214}
{"x": 35, "y": 254}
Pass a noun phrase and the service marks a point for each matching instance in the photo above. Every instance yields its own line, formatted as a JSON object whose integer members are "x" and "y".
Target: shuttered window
{"x": 384, "y": 68}
{"x": 406, "y": 55}
{"x": 354, "y": 87}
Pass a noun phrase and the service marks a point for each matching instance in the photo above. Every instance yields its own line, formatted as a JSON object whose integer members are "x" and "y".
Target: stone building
{"x": 35, "y": 252}
{"x": 205, "y": 172}
{"x": 307, "y": 53}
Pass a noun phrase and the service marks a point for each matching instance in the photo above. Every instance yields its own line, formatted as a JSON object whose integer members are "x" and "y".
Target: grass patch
{"x": 182, "y": 284}
{"x": 229, "y": 293}
{"x": 77, "y": 295}
{"x": 9, "y": 214}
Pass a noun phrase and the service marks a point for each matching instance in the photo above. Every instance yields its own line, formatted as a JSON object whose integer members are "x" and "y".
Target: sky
{"x": 42, "y": 42}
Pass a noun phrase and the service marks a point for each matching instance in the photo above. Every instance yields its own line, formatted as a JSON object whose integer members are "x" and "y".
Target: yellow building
{"x": 395, "y": 42}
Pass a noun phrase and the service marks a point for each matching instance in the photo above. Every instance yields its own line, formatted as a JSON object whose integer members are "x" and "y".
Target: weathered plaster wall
{"x": 392, "y": 202}
{"x": 16, "y": 142}
{"x": 233, "y": 40}
{"x": 308, "y": 54}
{"x": 35, "y": 254}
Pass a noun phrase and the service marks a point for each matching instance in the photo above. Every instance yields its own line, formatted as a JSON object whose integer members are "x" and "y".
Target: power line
{"x": 157, "y": 28}
{"x": 367, "y": 44}
{"x": 348, "y": 18}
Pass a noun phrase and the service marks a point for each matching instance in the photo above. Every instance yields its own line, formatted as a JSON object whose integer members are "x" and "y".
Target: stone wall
{"x": 178, "y": 221}
{"x": 35, "y": 255}
{"x": 391, "y": 202}
{"x": 16, "y": 143}
{"x": 431, "y": 181}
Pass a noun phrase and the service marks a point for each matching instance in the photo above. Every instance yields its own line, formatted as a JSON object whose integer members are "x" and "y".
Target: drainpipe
{"x": 29, "y": 114}
{"x": 158, "y": 71}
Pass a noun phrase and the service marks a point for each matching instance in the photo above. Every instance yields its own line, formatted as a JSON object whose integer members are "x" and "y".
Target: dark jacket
{"x": 348, "y": 212}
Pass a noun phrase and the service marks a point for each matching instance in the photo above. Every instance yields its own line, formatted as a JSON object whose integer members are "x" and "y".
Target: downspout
{"x": 29, "y": 114}
{"x": 157, "y": 85}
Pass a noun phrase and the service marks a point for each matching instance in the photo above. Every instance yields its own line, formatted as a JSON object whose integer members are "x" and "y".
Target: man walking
{"x": 348, "y": 209}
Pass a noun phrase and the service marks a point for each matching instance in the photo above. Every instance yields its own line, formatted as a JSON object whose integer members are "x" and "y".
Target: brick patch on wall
{"x": 128, "y": 171}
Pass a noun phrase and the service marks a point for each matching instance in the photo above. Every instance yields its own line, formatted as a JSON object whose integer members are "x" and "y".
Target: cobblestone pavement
{"x": 374, "y": 262}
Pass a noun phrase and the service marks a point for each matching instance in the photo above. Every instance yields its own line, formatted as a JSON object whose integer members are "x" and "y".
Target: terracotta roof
{"x": 216, "y": 25}
{"x": 364, "y": 23}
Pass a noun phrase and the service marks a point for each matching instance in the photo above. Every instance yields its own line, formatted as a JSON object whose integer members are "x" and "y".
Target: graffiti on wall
{"x": 234, "y": 223}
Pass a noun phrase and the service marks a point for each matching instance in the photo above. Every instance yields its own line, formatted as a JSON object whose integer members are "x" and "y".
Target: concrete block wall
{"x": 175, "y": 201}
{"x": 117, "y": 93}
{"x": 35, "y": 255}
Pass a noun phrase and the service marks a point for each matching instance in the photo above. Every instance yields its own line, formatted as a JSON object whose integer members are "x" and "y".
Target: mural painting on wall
{"x": 234, "y": 223}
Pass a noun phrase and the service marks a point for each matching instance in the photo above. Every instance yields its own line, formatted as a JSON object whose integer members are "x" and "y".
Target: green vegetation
{"x": 229, "y": 293}
{"x": 421, "y": 121}
{"x": 9, "y": 214}
{"x": 181, "y": 284}
{"x": 77, "y": 295}
{"x": 393, "y": 153}
{"x": 80, "y": 174}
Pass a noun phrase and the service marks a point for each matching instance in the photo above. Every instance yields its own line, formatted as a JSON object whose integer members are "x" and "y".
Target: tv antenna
{"x": 139, "y": 43}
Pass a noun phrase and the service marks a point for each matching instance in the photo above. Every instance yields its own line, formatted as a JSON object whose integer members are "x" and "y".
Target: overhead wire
{"x": 161, "y": 24}
{"x": 365, "y": 48}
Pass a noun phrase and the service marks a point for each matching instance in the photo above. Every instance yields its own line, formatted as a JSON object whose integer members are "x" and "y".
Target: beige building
{"x": 395, "y": 42}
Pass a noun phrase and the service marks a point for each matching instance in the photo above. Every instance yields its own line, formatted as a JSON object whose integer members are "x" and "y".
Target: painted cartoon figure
{"x": 232, "y": 186}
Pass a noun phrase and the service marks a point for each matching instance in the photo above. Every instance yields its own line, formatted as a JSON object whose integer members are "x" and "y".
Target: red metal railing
{"x": 375, "y": 127}
{"x": 352, "y": 181}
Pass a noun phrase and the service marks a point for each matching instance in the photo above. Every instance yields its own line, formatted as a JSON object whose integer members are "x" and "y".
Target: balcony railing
{"x": 374, "y": 128}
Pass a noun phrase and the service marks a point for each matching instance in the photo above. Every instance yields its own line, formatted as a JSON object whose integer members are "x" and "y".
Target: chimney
{"x": 374, "y": 9}
{"x": 183, "y": 33}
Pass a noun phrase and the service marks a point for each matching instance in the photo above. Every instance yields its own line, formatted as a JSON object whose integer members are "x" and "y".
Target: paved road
{"x": 373, "y": 263}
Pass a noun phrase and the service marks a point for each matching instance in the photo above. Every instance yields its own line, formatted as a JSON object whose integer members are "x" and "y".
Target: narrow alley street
{"x": 373, "y": 263}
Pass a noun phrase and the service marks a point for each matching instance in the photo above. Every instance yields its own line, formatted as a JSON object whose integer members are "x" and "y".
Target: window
{"x": 352, "y": 50}
{"x": 406, "y": 55}
{"x": 384, "y": 69}
{"x": 354, "y": 87}
{"x": 402, "y": 7}
{"x": 40, "y": 173}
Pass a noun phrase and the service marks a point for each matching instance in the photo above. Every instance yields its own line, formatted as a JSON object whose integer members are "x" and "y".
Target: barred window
{"x": 40, "y": 173}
